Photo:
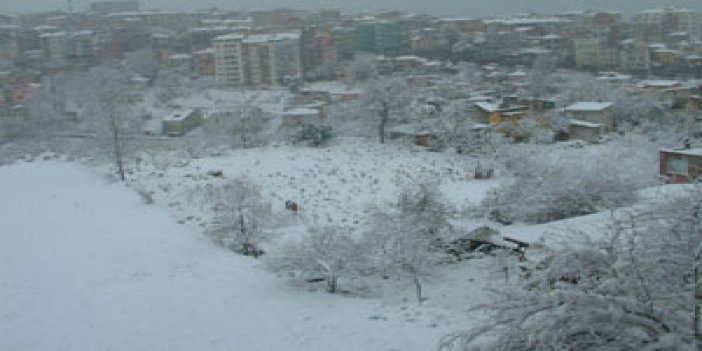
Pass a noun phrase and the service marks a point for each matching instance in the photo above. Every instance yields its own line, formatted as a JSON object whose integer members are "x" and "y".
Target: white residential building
{"x": 229, "y": 67}
{"x": 286, "y": 56}
{"x": 272, "y": 58}
{"x": 54, "y": 47}
{"x": 259, "y": 65}
{"x": 659, "y": 22}
{"x": 260, "y": 59}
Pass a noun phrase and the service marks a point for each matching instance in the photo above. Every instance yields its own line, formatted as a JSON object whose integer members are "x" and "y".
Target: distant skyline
{"x": 446, "y": 8}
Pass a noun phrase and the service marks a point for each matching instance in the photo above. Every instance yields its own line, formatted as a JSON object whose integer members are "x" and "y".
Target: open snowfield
{"x": 84, "y": 264}
{"x": 333, "y": 185}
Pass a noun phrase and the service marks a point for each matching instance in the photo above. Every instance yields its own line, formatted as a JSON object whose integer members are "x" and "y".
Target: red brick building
{"x": 683, "y": 165}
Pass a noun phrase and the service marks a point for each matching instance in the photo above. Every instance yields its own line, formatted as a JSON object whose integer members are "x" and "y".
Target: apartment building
{"x": 54, "y": 47}
{"x": 657, "y": 24}
{"x": 229, "y": 68}
{"x": 261, "y": 59}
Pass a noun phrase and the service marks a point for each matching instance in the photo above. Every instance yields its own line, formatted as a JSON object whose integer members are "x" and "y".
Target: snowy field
{"x": 85, "y": 264}
{"x": 333, "y": 185}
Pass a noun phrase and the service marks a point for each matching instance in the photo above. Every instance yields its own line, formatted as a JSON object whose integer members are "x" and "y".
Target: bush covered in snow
{"x": 570, "y": 182}
{"x": 240, "y": 216}
{"x": 632, "y": 289}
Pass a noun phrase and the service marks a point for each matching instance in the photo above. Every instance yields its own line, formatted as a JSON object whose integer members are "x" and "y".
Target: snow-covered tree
{"x": 325, "y": 253}
{"x": 539, "y": 79}
{"x": 240, "y": 215}
{"x": 386, "y": 98}
{"x": 551, "y": 184}
{"x": 407, "y": 237}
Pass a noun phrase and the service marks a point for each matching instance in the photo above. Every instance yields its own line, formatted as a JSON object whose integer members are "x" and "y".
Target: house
{"x": 594, "y": 112}
{"x": 419, "y": 135}
{"x": 681, "y": 165}
{"x": 181, "y": 122}
{"x": 494, "y": 113}
{"x": 181, "y": 63}
{"x": 584, "y": 130}
{"x": 301, "y": 115}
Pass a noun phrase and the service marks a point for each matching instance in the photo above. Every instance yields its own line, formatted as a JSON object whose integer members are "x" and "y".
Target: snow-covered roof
{"x": 258, "y": 39}
{"x": 658, "y": 83}
{"x": 160, "y": 36}
{"x": 205, "y": 51}
{"x": 613, "y": 76}
{"x": 664, "y": 10}
{"x": 53, "y": 35}
{"x": 517, "y": 74}
{"x": 586, "y": 124}
{"x": 331, "y": 87}
{"x": 684, "y": 151}
{"x": 588, "y": 106}
{"x": 287, "y": 36}
{"x": 301, "y": 111}
{"x": 410, "y": 58}
{"x": 487, "y": 106}
{"x": 228, "y": 37}
{"x": 526, "y": 21}
{"x": 179, "y": 57}
{"x": 178, "y": 115}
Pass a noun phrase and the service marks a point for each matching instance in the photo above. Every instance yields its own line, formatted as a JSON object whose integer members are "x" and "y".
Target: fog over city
{"x": 437, "y": 8}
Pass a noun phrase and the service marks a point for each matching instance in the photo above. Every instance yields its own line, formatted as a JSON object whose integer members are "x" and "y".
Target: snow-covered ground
{"x": 85, "y": 264}
{"x": 333, "y": 185}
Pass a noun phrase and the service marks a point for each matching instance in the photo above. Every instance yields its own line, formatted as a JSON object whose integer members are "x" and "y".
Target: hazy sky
{"x": 463, "y": 8}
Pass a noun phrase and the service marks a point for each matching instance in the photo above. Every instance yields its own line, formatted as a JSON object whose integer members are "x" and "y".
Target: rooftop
{"x": 685, "y": 151}
{"x": 588, "y": 106}
{"x": 586, "y": 124}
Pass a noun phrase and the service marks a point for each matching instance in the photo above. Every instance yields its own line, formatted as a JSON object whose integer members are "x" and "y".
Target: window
{"x": 677, "y": 166}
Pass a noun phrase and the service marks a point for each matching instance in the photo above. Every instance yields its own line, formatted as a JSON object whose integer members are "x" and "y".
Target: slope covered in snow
{"x": 84, "y": 264}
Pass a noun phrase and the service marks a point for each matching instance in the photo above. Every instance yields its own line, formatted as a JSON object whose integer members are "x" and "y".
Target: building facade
{"x": 228, "y": 59}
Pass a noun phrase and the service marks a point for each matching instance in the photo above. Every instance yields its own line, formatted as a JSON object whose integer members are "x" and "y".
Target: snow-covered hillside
{"x": 84, "y": 264}
{"x": 333, "y": 186}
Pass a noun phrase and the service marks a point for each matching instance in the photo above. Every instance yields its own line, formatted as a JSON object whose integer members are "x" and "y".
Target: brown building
{"x": 682, "y": 165}
{"x": 203, "y": 62}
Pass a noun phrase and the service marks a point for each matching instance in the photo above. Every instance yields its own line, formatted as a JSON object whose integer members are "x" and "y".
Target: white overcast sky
{"x": 454, "y": 8}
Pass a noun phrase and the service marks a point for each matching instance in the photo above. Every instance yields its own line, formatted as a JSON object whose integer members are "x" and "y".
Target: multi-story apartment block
{"x": 181, "y": 63}
{"x": 380, "y": 37}
{"x": 656, "y": 24}
{"x": 161, "y": 46}
{"x": 203, "y": 62}
{"x": 229, "y": 68}
{"x": 344, "y": 41}
{"x": 81, "y": 48}
{"x": 286, "y": 56}
{"x": 200, "y": 38}
{"x": 9, "y": 45}
{"x": 270, "y": 59}
{"x": 634, "y": 56}
{"x": 54, "y": 47}
{"x": 258, "y": 60}
{"x": 585, "y": 52}
{"x": 695, "y": 28}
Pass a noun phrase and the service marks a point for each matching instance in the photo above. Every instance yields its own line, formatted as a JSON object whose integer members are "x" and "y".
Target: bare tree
{"x": 240, "y": 216}
{"x": 386, "y": 97}
{"x": 540, "y": 74}
{"x": 329, "y": 252}
{"x": 406, "y": 237}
